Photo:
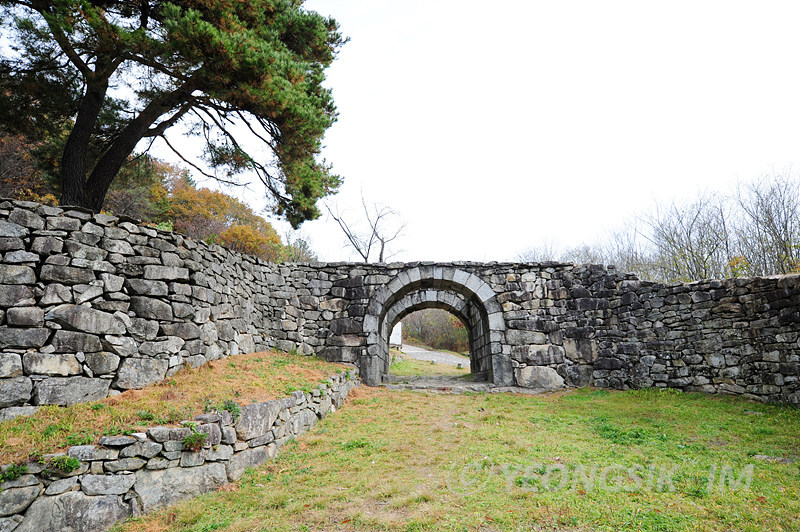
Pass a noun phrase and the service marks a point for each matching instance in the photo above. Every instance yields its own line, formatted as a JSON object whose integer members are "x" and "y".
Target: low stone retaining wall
{"x": 126, "y": 476}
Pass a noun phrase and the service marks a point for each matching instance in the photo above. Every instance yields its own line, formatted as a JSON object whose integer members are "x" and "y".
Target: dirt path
{"x": 420, "y": 353}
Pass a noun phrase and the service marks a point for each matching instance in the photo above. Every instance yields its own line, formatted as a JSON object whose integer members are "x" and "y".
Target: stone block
{"x": 73, "y": 341}
{"x": 256, "y": 419}
{"x": 13, "y": 295}
{"x": 47, "y": 245}
{"x": 139, "y": 372}
{"x": 144, "y": 287}
{"x": 25, "y": 317}
{"x": 68, "y": 391}
{"x": 86, "y": 319}
{"x": 539, "y": 377}
{"x": 66, "y": 274}
{"x": 243, "y": 460}
{"x": 102, "y": 363}
{"x": 16, "y": 274}
{"x": 12, "y": 230}
{"x": 149, "y": 308}
{"x": 26, "y": 218}
{"x": 10, "y": 365}
{"x": 62, "y": 365}
{"x": 107, "y": 484}
{"x": 124, "y": 464}
{"x": 166, "y": 273}
{"x": 16, "y": 500}
{"x": 23, "y": 337}
{"x": 160, "y": 488}
{"x": 60, "y": 512}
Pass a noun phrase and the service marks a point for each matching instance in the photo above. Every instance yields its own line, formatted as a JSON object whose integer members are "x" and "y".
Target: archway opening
{"x": 463, "y": 294}
{"x": 434, "y": 342}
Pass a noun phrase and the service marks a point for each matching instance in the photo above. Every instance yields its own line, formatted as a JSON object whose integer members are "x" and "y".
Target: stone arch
{"x": 464, "y": 294}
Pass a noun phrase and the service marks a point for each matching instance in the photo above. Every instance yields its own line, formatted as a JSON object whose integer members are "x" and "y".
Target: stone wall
{"x": 126, "y": 476}
{"x": 91, "y": 305}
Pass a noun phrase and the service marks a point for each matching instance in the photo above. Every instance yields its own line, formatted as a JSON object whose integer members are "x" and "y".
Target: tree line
{"x": 437, "y": 329}
{"x": 753, "y": 230}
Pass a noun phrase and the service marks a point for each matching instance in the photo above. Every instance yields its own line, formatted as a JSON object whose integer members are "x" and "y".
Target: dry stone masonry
{"x": 126, "y": 476}
{"x": 91, "y": 305}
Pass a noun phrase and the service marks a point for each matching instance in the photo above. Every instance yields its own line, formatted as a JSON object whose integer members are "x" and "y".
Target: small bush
{"x": 145, "y": 415}
{"x": 195, "y": 441}
{"x": 231, "y": 406}
{"x": 64, "y": 463}
{"x": 13, "y": 472}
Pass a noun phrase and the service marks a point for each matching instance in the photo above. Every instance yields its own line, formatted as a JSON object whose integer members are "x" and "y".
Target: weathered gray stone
{"x": 23, "y": 338}
{"x": 47, "y": 245}
{"x": 20, "y": 257}
{"x": 159, "y": 488}
{"x": 166, "y": 273}
{"x": 78, "y": 250}
{"x": 7, "y": 414}
{"x": 86, "y": 293}
{"x": 12, "y": 295}
{"x": 144, "y": 287}
{"x": 121, "y": 345}
{"x": 10, "y": 365}
{"x": 144, "y": 449}
{"x": 117, "y": 441}
{"x": 11, "y": 244}
{"x": 539, "y": 377}
{"x": 12, "y": 230}
{"x": 140, "y": 372}
{"x": 102, "y": 363}
{"x": 16, "y": 500}
{"x": 256, "y": 419}
{"x": 25, "y": 317}
{"x": 86, "y": 319}
{"x": 63, "y": 223}
{"x": 56, "y": 294}
{"x": 86, "y": 453}
{"x": 124, "y": 464}
{"x": 142, "y": 329}
{"x": 62, "y": 486}
{"x": 146, "y": 307}
{"x": 243, "y": 460}
{"x": 107, "y": 484}
{"x": 16, "y": 274}
{"x": 168, "y": 345}
{"x": 61, "y": 512}
{"x": 66, "y": 274}
{"x": 62, "y": 365}
{"x": 26, "y": 218}
{"x": 185, "y": 330}
{"x": 69, "y": 390}
{"x": 72, "y": 342}
{"x": 116, "y": 246}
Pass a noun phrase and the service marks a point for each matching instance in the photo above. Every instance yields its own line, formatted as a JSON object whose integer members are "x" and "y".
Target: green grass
{"x": 236, "y": 381}
{"x": 412, "y": 461}
{"x": 410, "y": 366}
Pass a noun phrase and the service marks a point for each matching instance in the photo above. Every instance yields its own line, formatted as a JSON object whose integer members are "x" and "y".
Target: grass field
{"x": 573, "y": 461}
{"x": 410, "y": 367}
{"x": 242, "y": 379}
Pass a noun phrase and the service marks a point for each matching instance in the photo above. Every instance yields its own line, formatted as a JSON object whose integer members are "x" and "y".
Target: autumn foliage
{"x": 160, "y": 194}
{"x": 437, "y": 329}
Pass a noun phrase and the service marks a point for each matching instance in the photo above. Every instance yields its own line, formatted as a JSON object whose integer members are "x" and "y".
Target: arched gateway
{"x": 463, "y": 294}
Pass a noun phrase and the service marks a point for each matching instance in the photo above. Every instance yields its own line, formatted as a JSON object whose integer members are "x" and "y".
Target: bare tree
{"x": 769, "y": 229}
{"x": 384, "y": 226}
{"x": 546, "y": 251}
{"x": 690, "y": 241}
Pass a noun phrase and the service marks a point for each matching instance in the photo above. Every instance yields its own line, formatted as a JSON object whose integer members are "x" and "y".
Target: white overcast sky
{"x": 495, "y": 126}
